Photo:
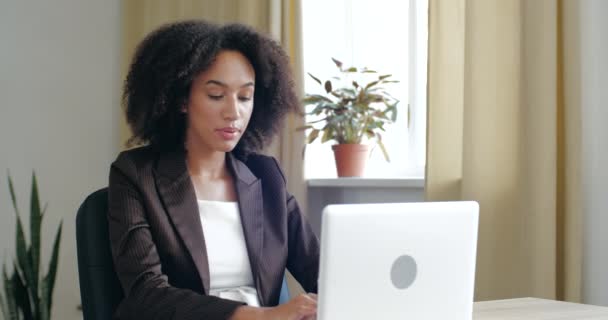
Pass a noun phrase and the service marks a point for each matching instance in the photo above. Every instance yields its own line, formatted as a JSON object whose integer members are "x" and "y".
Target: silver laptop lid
{"x": 398, "y": 261}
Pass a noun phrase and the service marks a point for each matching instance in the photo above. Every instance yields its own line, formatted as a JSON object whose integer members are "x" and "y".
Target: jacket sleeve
{"x": 303, "y": 252}
{"x": 148, "y": 293}
{"x": 303, "y": 245}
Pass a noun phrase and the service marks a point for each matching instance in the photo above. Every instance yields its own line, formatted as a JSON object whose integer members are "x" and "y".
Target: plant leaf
{"x": 12, "y": 191}
{"x": 3, "y": 307}
{"x": 49, "y": 280}
{"x": 394, "y": 113}
{"x": 347, "y": 93}
{"x": 304, "y": 128}
{"x": 314, "y": 78}
{"x": 312, "y": 135}
{"x": 13, "y": 313}
{"x": 351, "y": 69}
{"x": 46, "y": 205}
{"x": 327, "y": 134}
{"x": 22, "y": 255}
{"x": 24, "y": 263}
{"x": 315, "y": 98}
{"x": 35, "y": 222}
{"x": 44, "y": 305}
{"x": 22, "y": 298}
{"x": 338, "y": 63}
{"x": 317, "y": 121}
{"x": 22, "y": 278}
{"x": 328, "y": 86}
{"x": 382, "y": 77}
{"x": 371, "y": 84}
{"x": 335, "y": 95}
{"x": 384, "y": 152}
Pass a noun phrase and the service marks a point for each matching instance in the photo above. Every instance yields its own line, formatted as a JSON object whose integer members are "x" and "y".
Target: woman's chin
{"x": 226, "y": 147}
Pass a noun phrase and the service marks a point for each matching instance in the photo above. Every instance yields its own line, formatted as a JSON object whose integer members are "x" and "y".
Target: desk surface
{"x": 537, "y": 309}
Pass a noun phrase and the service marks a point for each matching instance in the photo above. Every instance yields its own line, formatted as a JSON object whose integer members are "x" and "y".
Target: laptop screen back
{"x": 398, "y": 261}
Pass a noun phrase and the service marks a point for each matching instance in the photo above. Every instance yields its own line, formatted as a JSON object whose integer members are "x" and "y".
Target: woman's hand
{"x": 302, "y": 307}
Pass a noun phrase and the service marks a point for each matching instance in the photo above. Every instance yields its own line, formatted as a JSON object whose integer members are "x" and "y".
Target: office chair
{"x": 100, "y": 289}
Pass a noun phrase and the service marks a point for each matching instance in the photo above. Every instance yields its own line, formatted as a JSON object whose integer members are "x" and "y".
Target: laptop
{"x": 398, "y": 261}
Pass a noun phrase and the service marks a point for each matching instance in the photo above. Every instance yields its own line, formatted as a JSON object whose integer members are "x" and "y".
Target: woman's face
{"x": 220, "y": 103}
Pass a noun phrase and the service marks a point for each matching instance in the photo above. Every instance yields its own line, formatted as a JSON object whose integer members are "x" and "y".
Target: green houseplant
{"x": 355, "y": 107}
{"x": 26, "y": 294}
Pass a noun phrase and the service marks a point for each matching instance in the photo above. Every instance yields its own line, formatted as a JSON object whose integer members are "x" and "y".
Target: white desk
{"x": 537, "y": 309}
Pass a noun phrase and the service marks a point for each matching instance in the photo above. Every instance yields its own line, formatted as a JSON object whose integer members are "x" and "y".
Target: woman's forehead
{"x": 229, "y": 68}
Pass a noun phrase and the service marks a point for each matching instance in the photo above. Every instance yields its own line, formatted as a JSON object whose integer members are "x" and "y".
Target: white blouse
{"x": 229, "y": 267}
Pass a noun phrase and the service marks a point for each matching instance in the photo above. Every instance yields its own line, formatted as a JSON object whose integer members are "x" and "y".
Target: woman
{"x": 201, "y": 226}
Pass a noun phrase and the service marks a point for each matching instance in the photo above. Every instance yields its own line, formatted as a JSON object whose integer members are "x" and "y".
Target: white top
{"x": 229, "y": 267}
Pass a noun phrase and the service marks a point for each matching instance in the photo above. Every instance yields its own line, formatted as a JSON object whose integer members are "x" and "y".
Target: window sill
{"x": 406, "y": 182}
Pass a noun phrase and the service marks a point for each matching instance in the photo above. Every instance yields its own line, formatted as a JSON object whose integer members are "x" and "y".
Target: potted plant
{"x": 354, "y": 109}
{"x": 26, "y": 294}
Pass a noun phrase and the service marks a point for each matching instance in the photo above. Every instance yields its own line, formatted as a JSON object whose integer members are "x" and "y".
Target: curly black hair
{"x": 167, "y": 61}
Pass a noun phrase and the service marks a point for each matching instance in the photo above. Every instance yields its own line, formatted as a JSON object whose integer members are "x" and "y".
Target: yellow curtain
{"x": 278, "y": 18}
{"x": 504, "y": 130}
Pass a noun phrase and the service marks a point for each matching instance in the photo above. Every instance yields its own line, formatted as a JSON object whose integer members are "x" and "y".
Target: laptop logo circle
{"x": 403, "y": 272}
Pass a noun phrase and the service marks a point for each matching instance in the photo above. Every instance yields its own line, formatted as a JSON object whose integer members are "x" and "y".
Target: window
{"x": 388, "y": 36}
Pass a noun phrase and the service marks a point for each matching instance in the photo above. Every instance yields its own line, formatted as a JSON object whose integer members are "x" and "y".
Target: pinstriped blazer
{"x": 158, "y": 245}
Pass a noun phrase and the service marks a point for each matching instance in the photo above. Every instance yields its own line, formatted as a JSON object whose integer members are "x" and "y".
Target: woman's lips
{"x": 228, "y": 133}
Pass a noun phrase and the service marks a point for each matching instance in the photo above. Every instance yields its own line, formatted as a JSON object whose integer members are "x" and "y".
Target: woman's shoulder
{"x": 135, "y": 159}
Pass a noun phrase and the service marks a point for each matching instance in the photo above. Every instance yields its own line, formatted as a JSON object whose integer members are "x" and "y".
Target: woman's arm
{"x": 303, "y": 248}
{"x": 303, "y": 244}
{"x": 148, "y": 294}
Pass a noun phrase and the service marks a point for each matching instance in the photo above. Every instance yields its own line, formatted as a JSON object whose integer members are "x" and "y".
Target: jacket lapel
{"x": 179, "y": 198}
{"x": 251, "y": 207}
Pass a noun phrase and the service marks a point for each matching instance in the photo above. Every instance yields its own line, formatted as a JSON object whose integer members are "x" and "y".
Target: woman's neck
{"x": 205, "y": 163}
{"x": 209, "y": 174}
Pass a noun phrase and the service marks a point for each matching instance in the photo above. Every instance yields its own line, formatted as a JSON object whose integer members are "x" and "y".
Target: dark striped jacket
{"x": 158, "y": 243}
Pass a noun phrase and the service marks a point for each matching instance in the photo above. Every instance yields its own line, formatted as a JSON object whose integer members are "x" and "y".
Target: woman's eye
{"x": 215, "y": 97}
{"x": 245, "y": 99}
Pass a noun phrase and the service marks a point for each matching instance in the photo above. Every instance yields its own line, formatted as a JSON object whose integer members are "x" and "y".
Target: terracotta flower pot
{"x": 350, "y": 159}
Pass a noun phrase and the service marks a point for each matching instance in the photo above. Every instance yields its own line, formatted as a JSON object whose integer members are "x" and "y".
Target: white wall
{"x": 59, "y": 105}
{"x": 594, "y": 98}
{"x": 321, "y": 196}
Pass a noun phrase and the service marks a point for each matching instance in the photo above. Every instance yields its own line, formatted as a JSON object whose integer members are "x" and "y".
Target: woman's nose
{"x": 231, "y": 109}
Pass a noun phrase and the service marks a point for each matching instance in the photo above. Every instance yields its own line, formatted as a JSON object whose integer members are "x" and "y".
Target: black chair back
{"x": 100, "y": 289}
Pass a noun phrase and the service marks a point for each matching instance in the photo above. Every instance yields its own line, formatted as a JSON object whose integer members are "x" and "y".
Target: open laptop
{"x": 398, "y": 261}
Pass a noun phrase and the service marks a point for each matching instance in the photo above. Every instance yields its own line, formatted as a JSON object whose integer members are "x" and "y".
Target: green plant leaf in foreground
{"x": 26, "y": 294}
{"x": 35, "y": 222}
{"x": 3, "y": 307}
{"x": 12, "y": 192}
{"x": 49, "y": 280}
{"x": 11, "y": 306}
{"x": 22, "y": 298}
